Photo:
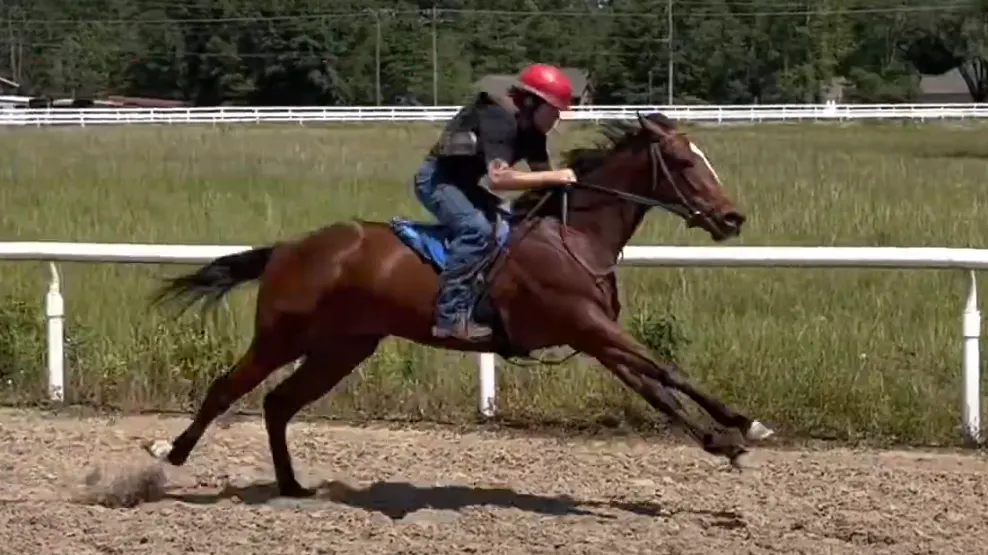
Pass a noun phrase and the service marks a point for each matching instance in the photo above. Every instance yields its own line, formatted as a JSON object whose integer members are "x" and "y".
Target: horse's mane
{"x": 615, "y": 135}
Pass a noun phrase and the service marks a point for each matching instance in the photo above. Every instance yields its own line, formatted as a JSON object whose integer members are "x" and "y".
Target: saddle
{"x": 430, "y": 241}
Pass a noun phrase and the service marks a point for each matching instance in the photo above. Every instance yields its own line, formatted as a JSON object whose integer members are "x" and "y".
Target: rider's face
{"x": 545, "y": 117}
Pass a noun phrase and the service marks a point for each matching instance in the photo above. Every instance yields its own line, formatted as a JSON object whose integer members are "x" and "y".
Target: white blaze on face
{"x": 696, "y": 150}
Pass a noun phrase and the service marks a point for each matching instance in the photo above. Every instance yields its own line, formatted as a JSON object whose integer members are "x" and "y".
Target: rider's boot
{"x": 453, "y": 318}
{"x": 454, "y": 307}
{"x": 464, "y": 329}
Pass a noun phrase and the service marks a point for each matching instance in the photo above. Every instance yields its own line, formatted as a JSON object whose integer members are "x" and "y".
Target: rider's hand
{"x": 567, "y": 176}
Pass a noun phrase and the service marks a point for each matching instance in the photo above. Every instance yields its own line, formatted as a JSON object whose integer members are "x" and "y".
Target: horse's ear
{"x": 651, "y": 126}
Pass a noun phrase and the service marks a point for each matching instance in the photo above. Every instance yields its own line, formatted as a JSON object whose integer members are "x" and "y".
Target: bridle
{"x": 659, "y": 168}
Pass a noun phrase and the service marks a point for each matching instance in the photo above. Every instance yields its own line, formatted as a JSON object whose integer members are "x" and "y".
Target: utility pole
{"x": 377, "y": 57}
{"x": 650, "y": 99}
{"x": 14, "y": 44}
{"x": 435, "y": 58}
{"x": 669, "y": 78}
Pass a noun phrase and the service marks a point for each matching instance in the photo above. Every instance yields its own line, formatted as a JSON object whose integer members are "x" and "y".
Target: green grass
{"x": 838, "y": 353}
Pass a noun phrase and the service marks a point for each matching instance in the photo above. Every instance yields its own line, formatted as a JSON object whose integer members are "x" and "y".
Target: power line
{"x": 324, "y": 55}
{"x": 781, "y": 4}
{"x": 604, "y": 13}
{"x": 844, "y": 11}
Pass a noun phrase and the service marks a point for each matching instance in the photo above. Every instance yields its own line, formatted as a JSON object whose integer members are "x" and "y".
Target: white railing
{"x": 801, "y": 257}
{"x": 341, "y": 114}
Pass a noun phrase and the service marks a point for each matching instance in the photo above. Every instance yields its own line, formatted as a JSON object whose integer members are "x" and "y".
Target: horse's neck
{"x": 609, "y": 221}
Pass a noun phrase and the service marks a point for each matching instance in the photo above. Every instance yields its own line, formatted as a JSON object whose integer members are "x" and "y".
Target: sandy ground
{"x": 437, "y": 492}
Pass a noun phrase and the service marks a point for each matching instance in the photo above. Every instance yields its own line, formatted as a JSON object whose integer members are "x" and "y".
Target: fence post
{"x": 487, "y": 384}
{"x": 971, "y": 330}
{"x": 55, "y": 316}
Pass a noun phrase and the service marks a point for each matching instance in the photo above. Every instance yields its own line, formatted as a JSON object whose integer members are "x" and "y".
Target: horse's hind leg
{"x": 323, "y": 368}
{"x": 265, "y": 355}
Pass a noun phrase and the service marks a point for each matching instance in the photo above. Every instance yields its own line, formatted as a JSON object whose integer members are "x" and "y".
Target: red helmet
{"x": 549, "y": 83}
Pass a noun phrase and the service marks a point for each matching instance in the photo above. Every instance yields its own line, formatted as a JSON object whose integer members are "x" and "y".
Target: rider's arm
{"x": 505, "y": 178}
{"x": 498, "y": 130}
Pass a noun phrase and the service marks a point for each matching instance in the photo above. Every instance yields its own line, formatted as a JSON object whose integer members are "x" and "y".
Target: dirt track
{"x": 429, "y": 492}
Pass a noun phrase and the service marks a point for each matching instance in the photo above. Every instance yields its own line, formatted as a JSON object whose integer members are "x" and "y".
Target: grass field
{"x": 834, "y": 353}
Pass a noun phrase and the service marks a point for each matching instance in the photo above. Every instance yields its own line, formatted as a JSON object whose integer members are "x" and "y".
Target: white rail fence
{"x": 651, "y": 256}
{"x": 341, "y": 114}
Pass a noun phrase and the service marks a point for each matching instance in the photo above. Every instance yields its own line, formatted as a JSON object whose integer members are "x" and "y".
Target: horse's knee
{"x": 220, "y": 394}
{"x": 656, "y": 372}
{"x": 273, "y": 405}
{"x": 669, "y": 374}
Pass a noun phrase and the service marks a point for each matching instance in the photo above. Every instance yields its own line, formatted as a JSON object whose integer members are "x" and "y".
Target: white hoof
{"x": 758, "y": 432}
{"x": 159, "y": 449}
{"x": 742, "y": 461}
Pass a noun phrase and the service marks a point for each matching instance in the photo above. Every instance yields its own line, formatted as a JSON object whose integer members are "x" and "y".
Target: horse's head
{"x": 656, "y": 161}
{"x": 680, "y": 177}
{"x": 648, "y": 163}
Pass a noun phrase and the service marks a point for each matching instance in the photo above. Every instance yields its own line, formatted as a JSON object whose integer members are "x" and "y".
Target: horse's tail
{"x": 213, "y": 281}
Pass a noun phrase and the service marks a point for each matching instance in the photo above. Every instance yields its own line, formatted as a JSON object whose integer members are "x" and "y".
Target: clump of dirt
{"x": 124, "y": 489}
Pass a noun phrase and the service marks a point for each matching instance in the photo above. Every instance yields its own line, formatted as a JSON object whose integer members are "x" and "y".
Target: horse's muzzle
{"x": 720, "y": 226}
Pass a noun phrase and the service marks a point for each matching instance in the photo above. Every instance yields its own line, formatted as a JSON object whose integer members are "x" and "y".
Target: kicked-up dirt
{"x": 84, "y": 486}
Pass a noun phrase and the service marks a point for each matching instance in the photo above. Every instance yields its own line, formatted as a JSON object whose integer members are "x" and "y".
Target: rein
{"x": 659, "y": 169}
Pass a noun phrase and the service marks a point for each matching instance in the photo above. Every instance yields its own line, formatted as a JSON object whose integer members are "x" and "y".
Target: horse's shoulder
{"x": 549, "y": 230}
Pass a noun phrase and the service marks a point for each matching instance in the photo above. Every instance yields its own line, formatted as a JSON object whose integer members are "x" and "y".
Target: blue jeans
{"x": 471, "y": 237}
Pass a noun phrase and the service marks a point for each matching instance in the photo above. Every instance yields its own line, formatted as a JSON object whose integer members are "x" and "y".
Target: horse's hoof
{"x": 741, "y": 461}
{"x": 758, "y": 432}
{"x": 158, "y": 449}
{"x": 296, "y": 491}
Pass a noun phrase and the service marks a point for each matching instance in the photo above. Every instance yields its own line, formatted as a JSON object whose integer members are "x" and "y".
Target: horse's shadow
{"x": 399, "y": 499}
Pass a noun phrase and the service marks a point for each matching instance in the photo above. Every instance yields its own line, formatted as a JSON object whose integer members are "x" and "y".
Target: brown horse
{"x": 334, "y": 294}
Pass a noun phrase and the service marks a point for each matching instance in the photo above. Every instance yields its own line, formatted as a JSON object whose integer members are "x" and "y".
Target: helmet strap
{"x": 527, "y": 103}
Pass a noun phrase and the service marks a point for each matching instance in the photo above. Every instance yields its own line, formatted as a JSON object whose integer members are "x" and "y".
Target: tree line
{"x": 365, "y": 52}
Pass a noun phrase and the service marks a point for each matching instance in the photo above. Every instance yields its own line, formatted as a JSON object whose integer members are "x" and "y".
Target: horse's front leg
{"x": 603, "y": 339}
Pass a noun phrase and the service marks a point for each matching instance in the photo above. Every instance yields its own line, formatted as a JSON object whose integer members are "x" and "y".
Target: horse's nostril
{"x": 734, "y": 219}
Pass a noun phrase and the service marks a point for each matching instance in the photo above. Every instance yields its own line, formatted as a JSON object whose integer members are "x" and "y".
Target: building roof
{"x": 950, "y": 82}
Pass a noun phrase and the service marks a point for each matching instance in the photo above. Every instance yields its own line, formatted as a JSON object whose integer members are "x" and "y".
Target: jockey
{"x": 473, "y": 159}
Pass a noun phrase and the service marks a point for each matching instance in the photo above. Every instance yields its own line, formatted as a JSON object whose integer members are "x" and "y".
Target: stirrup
{"x": 464, "y": 330}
